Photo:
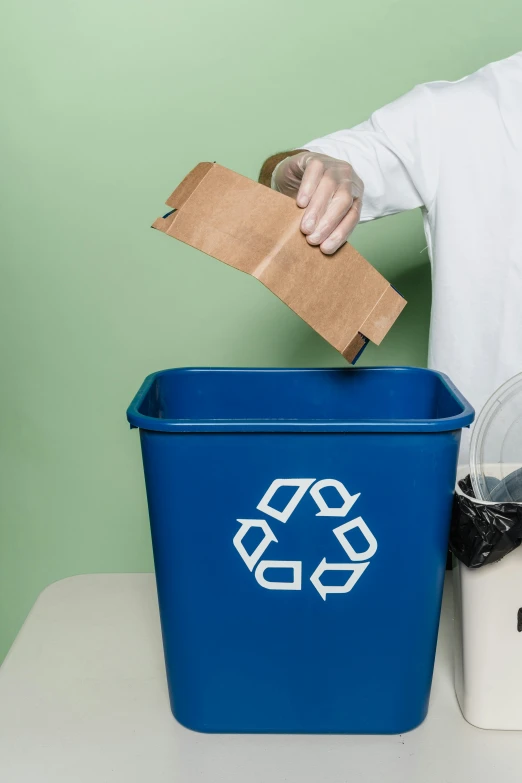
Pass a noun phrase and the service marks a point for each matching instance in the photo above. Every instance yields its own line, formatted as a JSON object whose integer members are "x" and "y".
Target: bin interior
{"x": 381, "y": 394}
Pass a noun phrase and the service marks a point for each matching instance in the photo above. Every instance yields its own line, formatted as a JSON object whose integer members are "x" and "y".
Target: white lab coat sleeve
{"x": 395, "y": 153}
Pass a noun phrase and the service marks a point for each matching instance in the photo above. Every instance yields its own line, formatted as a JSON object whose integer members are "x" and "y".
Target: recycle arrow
{"x": 357, "y": 570}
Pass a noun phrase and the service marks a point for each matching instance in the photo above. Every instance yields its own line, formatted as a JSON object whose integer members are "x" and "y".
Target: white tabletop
{"x": 83, "y": 698}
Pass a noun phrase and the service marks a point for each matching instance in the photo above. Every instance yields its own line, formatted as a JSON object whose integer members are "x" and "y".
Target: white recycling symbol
{"x": 358, "y": 560}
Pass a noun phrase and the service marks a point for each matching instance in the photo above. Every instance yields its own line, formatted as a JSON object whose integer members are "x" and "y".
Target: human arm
{"x": 395, "y": 154}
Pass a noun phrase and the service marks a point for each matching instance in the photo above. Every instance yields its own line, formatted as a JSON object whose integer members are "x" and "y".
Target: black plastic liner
{"x": 483, "y": 533}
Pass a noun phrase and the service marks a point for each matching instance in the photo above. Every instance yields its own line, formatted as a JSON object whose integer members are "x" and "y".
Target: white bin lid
{"x": 496, "y": 446}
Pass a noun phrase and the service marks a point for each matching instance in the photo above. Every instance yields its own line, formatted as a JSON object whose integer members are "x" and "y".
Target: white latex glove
{"x": 328, "y": 190}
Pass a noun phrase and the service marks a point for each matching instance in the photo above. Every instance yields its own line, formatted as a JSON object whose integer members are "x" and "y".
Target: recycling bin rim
{"x": 463, "y": 418}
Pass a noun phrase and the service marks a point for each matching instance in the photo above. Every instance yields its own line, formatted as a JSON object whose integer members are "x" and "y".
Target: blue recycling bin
{"x": 300, "y": 523}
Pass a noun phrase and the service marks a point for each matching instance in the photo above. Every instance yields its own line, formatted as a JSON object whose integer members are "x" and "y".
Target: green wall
{"x": 106, "y": 104}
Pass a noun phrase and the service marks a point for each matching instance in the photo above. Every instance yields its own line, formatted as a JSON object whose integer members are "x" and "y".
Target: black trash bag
{"x": 482, "y": 534}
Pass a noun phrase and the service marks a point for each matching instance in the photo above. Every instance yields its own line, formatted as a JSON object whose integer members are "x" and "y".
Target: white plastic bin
{"x": 488, "y": 633}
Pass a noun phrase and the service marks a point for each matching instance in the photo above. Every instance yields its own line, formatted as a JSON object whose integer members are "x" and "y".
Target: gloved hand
{"x": 330, "y": 192}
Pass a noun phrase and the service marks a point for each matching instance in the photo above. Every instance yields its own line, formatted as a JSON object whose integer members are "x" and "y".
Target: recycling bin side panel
{"x": 300, "y": 576}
